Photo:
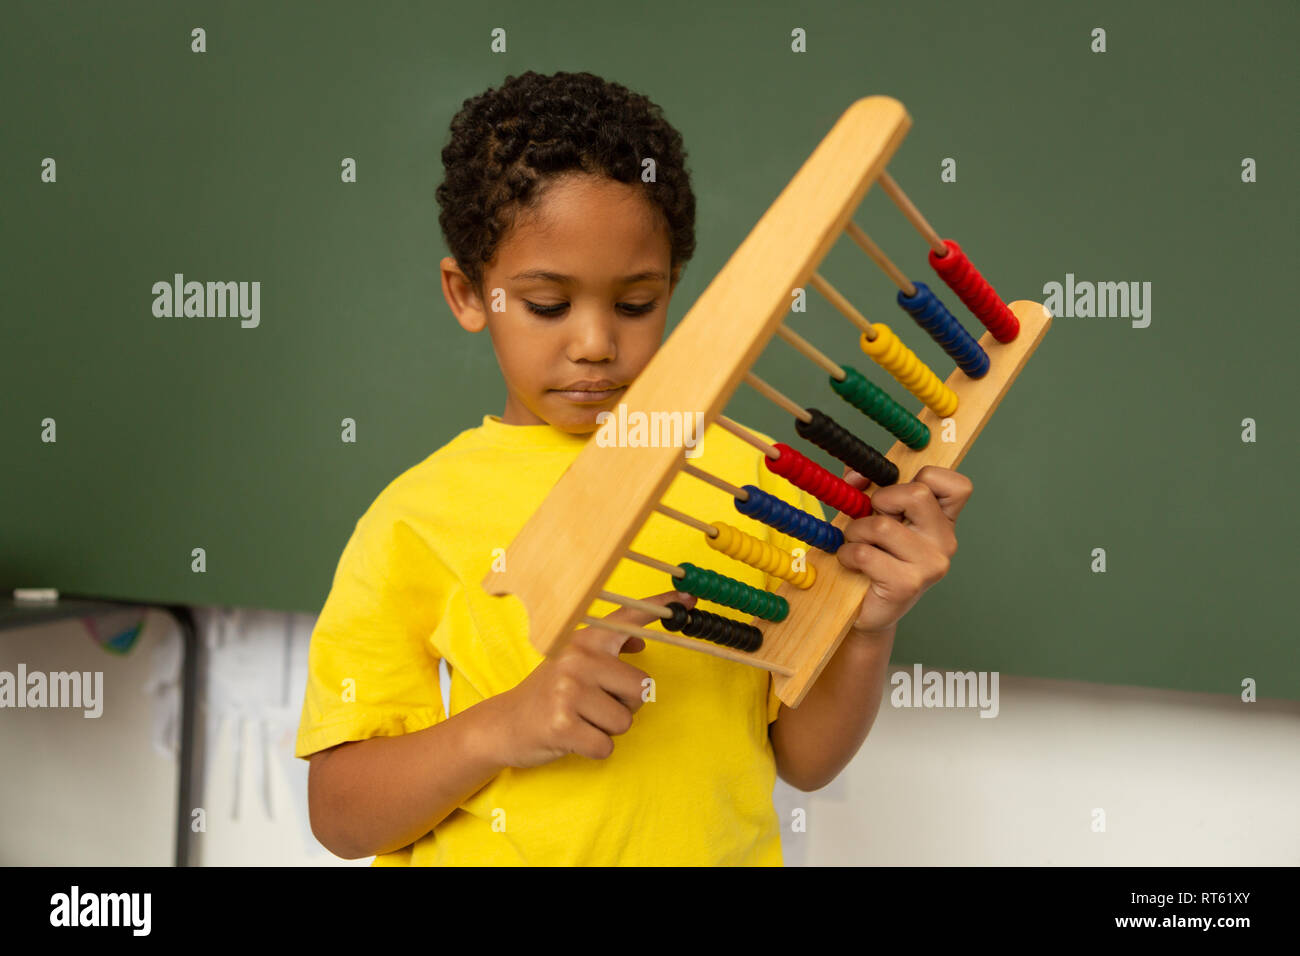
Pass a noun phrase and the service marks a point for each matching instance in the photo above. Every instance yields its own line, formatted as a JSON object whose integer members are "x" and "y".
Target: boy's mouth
{"x": 590, "y": 393}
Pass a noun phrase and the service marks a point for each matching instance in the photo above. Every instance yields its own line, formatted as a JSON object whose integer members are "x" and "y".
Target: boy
{"x": 569, "y": 259}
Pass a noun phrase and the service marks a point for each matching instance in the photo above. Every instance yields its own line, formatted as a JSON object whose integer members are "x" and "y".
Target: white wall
{"x": 1182, "y": 778}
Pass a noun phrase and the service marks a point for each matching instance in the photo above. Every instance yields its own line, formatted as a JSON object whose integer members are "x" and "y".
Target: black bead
{"x": 826, "y": 433}
{"x": 714, "y": 627}
{"x": 678, "y": 620}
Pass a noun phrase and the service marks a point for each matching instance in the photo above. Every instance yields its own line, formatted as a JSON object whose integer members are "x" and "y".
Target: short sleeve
{"x": 773, "y": 702}
{"x": 372, "y": 669}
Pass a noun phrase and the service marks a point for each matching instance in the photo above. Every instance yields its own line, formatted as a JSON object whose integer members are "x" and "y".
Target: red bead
{"x": 972, "y": 288}
{"x": 813, "y": 478}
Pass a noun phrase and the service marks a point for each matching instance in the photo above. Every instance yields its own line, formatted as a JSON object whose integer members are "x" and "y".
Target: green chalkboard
{"x": 1072, "y": 165}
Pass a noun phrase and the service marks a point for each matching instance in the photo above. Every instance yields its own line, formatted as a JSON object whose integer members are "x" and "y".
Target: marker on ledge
{"x": 36, "y": 595}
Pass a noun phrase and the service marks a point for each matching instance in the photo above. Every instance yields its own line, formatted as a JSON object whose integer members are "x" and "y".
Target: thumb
{"x": 858, "y": 481}
{"x": 616, "y": 642}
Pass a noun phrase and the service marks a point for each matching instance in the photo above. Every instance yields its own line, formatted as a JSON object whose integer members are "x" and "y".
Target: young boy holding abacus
{"x": 568, "y": 259}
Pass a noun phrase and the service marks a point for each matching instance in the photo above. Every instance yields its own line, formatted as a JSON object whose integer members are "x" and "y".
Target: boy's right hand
{"x": 574, "y": 701}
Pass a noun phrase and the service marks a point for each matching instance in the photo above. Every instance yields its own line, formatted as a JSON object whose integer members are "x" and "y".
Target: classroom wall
{"x": 1183, "y": 778}
{"x": 1130, "y": 522}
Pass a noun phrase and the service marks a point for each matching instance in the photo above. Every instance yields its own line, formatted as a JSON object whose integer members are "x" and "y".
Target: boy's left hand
{"x": 903, "y": 558}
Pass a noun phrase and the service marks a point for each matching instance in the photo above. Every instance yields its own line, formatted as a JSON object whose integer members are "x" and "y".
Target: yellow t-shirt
{"x": 691, "y": 781}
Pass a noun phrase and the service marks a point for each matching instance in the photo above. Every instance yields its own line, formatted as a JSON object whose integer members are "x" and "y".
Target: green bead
{"x": 721, "y": 589}
{"x": 876, "y": 403}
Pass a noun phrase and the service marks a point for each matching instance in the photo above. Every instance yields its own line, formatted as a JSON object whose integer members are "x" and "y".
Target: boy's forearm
{"x": 378, "y": 795}
{"x": 816, "y": 740}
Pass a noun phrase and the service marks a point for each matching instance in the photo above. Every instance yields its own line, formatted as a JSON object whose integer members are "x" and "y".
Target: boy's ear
{"x": 461, "y": 297}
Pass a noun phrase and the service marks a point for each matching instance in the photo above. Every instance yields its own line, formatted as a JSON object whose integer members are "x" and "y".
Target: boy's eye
{"x": 554, "y": 310}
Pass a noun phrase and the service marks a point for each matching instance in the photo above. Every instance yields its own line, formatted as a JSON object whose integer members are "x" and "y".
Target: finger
{"x": 590, "y": 741}
{"x": 617, "y": 679}
{"x": 616, "y": 642}
{"x": 951, "y": 489}
{"x": 907, "y": 544}
{"x": 874, "y": 562}
{"x": 896, "y": 583}
{"x": 913, "y": 504}
{"x": 858, "y": 481}
{"x": 604, "y": 712}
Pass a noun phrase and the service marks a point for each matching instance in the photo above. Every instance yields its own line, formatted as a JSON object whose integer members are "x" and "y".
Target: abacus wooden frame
{"x": 561, "y": 558}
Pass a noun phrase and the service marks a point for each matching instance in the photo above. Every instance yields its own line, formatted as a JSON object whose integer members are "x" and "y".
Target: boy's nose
{"x": 593, "y": 340}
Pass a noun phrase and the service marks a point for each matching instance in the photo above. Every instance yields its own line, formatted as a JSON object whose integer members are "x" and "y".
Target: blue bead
{"x": 788, "y": 519}
{"x": 943, "y": 327}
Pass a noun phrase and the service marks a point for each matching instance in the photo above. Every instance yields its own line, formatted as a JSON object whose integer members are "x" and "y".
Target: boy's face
{"x": 605, "y": 297}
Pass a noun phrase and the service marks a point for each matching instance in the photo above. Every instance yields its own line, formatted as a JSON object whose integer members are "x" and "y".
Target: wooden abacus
{"x": 600, "y": 502}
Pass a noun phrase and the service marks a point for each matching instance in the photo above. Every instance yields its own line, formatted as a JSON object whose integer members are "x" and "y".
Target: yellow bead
{"x": 735, "y": 543}
{"x": 889, "y": 352}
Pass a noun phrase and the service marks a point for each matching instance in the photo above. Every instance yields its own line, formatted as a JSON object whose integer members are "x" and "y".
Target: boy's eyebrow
{"x": 557, "y": 277}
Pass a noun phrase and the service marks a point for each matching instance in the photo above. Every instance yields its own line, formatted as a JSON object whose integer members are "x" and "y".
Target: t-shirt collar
{"x": 529, "y": 436}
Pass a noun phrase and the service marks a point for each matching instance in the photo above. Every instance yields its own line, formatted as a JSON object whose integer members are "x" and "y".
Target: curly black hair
{"x": 507, "y": 143}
